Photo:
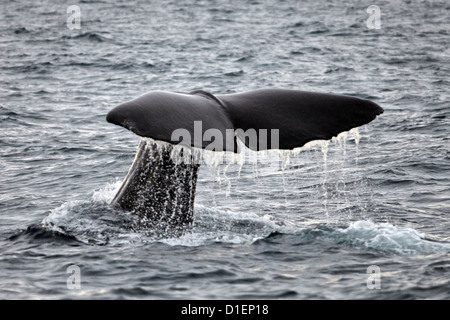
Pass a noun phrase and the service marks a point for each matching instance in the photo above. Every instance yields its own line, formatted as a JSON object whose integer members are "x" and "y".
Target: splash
{"x": 95, "y": 221}
{"x": 107, "y": 193}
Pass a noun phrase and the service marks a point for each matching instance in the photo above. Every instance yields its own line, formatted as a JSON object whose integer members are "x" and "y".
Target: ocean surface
{"x": 314, "y": 223}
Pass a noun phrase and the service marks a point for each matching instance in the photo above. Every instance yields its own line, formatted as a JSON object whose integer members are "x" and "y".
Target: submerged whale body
{"x": 162, "y": 191}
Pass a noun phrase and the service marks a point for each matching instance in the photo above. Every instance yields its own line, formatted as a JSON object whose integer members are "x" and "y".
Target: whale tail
{"x": 162, "y": 191}
{"x": 297, "y": 117}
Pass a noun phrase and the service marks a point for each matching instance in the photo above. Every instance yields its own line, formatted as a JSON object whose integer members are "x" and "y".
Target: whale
{"x": 161, "y": 190}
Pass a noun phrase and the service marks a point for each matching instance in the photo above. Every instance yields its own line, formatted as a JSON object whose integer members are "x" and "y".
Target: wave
{"x": 31, "y": 66}
{"x": 4, "y": 111}
{"x": 387, "y": 238}
{"x": 21, "y": 30}
{"x": 36, "y": 233}
{"x": 234, "y": 73}
{"x": 365, "y": 236}
{"x": 89, "y": 36}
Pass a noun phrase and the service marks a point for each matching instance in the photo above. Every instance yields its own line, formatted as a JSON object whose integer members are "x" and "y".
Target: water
{"x": 307, "y": 226}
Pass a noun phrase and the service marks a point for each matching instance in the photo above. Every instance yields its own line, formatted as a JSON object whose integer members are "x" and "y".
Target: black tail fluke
{"x": 263, "y": 119}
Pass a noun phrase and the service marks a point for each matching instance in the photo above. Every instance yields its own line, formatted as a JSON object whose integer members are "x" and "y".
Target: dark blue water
{"x": 308, "y": 228}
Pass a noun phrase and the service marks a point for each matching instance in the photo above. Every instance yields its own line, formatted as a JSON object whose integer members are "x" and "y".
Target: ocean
{"x": 364, "y": 216}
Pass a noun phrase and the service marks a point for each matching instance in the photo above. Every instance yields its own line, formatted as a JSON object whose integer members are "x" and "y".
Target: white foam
{"x": 390, "y": 238}
{"x": 204, "y": 238}
{"x": 59, "y": 215}
{"x": 107, "y": 193}
{"x": 215, "y": 225}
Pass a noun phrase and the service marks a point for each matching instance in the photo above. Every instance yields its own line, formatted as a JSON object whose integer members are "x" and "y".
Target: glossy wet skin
{"x": 299, "y": 116}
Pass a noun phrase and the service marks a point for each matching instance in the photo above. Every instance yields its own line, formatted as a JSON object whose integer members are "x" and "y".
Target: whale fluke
{"x": 299, "y": 116}
{"x": 161, "y": 190}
